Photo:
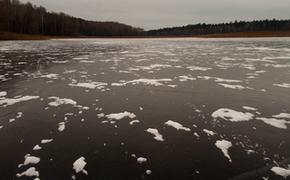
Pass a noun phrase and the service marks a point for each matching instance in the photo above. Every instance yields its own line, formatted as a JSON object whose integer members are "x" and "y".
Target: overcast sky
{"x": 151, "y": 14}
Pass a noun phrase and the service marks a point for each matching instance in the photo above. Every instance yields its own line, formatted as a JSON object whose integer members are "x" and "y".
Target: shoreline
{"x": 7, "y": 36}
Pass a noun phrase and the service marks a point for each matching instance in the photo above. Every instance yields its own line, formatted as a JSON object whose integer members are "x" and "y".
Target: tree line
{"x": 26, "y": 18}
{"x": 232, "y": 27}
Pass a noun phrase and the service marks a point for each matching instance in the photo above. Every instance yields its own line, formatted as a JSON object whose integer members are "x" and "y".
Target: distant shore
{"x": 249, "y": 34}
{"x": 4, "y": 36}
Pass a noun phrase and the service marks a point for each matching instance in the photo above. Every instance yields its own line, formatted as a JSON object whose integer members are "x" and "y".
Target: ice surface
{"x": 176, "y": 125}
{"x": 155, "y": 132}
{"x": 224, "y": 146}
{"x": 142, "y": 73}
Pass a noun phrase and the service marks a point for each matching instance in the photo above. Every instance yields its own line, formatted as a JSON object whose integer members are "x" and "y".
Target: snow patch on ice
{"x": 31, "y": 172}
{"x": 45, "y": 141}
{"x": 90, "y": 85}
{"x": 86, "y": 61}
{"x": 61, "y": 101}
{"x": 60, "y": 62}
{"x": 79, "y": 165}
{"x": 208, "y": 132}
{"x": 232, "y": 115}
{"x": 152, "y": 82}
{"x": 197, "y": 68}
{"x": 186, "y": 78}
{"x": 154, "y": 66}
{"x": 282, "y": 115}
{"x": 148, "y": 172}
{"x": 281, "y": 171}
{"x": 249, "y": 108}
{"x": 81, "y": 57}
{"x": 224, "y": 146}
{"x": 101, "y": 115}
{"x": 61, "y": 126}
{"x": 11, "y": 101}
{"x": 278, "y": 123}
{"x": 37, "y": 147}
{"x": 28, "y": 159}
{"x": 134, "y": 122}
{"x": 155, "y": 132}
{"x": 216, "y": 79}
{"x": 118, "y": 116}
{"x": 177, "y": 125}
{"x": 141, "y": 160}
{"x": 3, "y": 93}
{"x": 50, "y": 76}
{"x": 278, "y": 65}
{"x": 283, "y": 85}
{"x": 231, "y": 86}
{"x": 69, "y": 71}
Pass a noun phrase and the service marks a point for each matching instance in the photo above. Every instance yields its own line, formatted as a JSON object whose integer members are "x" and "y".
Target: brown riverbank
{"x": 15, "y": 36}
{"x": 4, "y": 36}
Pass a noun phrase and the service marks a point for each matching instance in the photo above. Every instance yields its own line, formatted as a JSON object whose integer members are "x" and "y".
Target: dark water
{"x": 183, "y": 80}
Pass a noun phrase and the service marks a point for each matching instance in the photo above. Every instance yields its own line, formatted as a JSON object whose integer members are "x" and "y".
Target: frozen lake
{"x": 126, "y": 109}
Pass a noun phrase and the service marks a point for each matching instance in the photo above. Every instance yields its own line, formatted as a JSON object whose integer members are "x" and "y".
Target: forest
{"x": 25, "y": 18}
{"x": 232, "y": 27}
{"x": 17, "y": 17}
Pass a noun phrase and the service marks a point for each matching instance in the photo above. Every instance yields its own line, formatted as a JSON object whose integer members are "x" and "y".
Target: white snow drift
{"x": 79, "y": 165}
{"x": 232, "y": 115}
{"x": 176, "y": 125}
{"x": 224, "y": 146}
{"x": 155, "y": 132}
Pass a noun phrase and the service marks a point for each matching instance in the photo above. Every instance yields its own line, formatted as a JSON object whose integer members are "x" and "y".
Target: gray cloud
{"x": 151, "y": 14}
